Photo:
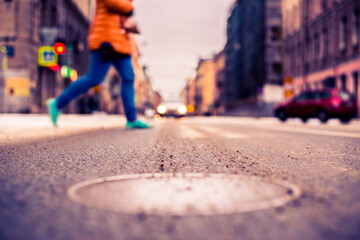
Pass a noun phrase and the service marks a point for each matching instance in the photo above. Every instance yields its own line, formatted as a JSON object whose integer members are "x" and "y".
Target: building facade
{"x": 87, "y": 7}
{"x": 205, "y": 87}
{"x": 253, "y": 50}
{"x": 219, "y": 70}
{"x": 29, "y": 24}
{"x": 322, "y": 44}
{"x": 187, "y": 95}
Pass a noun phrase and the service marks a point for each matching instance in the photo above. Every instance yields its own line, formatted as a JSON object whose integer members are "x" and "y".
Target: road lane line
{"x": 187, "y": 132}
{"x": 223, "y": 133}
{"x": 312, "y": 131}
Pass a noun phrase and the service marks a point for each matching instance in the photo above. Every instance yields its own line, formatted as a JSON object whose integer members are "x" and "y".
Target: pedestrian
{"x": 109, "y": 44}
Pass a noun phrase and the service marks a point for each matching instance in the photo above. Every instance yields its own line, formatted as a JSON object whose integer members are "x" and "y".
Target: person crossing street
{"x": 109, "y": 44}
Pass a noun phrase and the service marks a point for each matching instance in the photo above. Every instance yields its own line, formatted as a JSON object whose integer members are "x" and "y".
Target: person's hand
{"x": 130, "y": 25}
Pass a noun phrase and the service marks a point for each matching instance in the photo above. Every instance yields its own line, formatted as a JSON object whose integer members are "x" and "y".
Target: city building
{"x": 204, "y": 91}
{"x": 26, "y": 82}
{"x": 205, "y": 87}
{"x": 87, "y": 7}
{"x": 145, "y": 97}
{"x": 219, "y": 69}
{"x": 321, "y": 43}
{"x": 253, "y": 54}
{"x": 158, "y": 99}
{"x": 187, "y": 95}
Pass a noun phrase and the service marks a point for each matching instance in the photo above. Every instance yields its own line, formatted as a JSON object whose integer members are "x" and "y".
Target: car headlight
{"x": 182, "y": 109}
{"x": 161, "y": 109}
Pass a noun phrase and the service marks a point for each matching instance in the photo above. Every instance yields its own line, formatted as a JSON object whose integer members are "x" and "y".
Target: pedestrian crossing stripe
{"x": 223, "y": 133}
{"x": 187, "y": 132}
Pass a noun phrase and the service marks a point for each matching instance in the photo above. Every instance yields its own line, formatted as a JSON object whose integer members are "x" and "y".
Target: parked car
{"x": 172, "y": 108}
{"x": 321, "y": 104}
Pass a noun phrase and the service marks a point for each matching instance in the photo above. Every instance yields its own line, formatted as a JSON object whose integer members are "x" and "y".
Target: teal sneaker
{"x": 138, "y": 124}
{"x": 53, "y": 111}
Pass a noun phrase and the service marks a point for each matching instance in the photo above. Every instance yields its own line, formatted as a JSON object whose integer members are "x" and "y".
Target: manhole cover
{"x": 183, "y": 194}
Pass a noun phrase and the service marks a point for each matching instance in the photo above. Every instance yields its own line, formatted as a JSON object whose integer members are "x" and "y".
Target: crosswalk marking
{"x": 223, "y": 133}
{"x": 312, "y": 131}
{"x": 291, "y": 126}
{"x": 187, "y": 132}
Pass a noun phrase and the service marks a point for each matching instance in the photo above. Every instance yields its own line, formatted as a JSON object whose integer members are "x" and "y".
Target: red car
{"x": 322, "y": 104}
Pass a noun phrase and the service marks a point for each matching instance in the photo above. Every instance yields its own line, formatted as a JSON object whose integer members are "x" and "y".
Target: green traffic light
{"x": 69, "y": 46}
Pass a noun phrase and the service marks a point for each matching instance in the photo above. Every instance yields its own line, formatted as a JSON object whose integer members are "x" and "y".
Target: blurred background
{"x": 217, "y": 57}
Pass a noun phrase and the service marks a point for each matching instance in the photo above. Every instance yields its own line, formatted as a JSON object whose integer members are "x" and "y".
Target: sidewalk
{"x": 20, "y": 127}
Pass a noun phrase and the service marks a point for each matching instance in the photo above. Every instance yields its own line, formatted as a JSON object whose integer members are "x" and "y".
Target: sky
{"x": 175, "y": 34}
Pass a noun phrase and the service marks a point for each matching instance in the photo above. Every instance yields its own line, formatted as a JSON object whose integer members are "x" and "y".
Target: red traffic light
{"x": 59, "y": 48}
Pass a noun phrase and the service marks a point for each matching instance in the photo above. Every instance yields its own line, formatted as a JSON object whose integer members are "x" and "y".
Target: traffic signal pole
{"x": 3, "y": 66}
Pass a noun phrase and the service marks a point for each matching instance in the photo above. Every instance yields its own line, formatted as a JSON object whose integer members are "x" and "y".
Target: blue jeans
{"x": 96, "y": 74}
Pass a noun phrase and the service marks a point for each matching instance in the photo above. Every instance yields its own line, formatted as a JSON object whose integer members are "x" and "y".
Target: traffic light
{"x": 73, "y": 75}
{"x": 59, "y": 48}
{"x": 67, "y": 72}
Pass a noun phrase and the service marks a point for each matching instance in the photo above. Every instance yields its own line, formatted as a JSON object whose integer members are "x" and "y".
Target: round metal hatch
{"x": 183, "y": 194}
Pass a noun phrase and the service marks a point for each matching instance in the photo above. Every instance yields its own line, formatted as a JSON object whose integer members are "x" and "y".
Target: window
{"x": 308, "y": 54}
{"x": 308, "y": 86}
{"x": 324, "y": 4}
{"x": 307, "y": 9}
{"x": 277, "y": 67}
{"x": 343, "y": 34}
{"x": 325, "y": 95}
{"x": 329, "y": 82}
{"x": 310, "y": 95}
{"x": 292, "y": 59}
{"x": 299, "y": 56}
{"x": 10, "y": 51}
{"x": 356, "y": 84}
{"x": 316, "y": 47}
{"x": 43, "y": 12}
{"x": 343, "y": 82}
{"x": 275, "y": 33}
{"x": 300, "y": 97}
{"x": 356, "y": 29}
{"x": 325, "y": 44}
{"x": 53, "y": 16}
{"x": 316, "y": 85}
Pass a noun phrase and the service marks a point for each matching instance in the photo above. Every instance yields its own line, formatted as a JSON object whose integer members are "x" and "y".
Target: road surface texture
{"x": 38, "y": 165}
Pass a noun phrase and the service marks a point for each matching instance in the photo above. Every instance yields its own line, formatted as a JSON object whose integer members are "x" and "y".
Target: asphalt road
{"x": 322, "y": 160}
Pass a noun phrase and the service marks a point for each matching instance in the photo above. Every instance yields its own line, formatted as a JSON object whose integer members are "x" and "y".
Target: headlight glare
{"x": 182, "y": 109}
{"x": 161, "y": 109}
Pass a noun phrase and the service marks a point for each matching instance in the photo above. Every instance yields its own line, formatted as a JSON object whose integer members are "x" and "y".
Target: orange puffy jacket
{"x": 106, "y": 26}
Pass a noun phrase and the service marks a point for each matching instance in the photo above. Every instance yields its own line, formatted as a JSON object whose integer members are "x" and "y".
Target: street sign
{"x": 10, "y": 50}
{"x": 17, "y": 86}
{"x": 47, "y": 56}
{"x": 3, "y": 55}
{"x": 49, "y": 34}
